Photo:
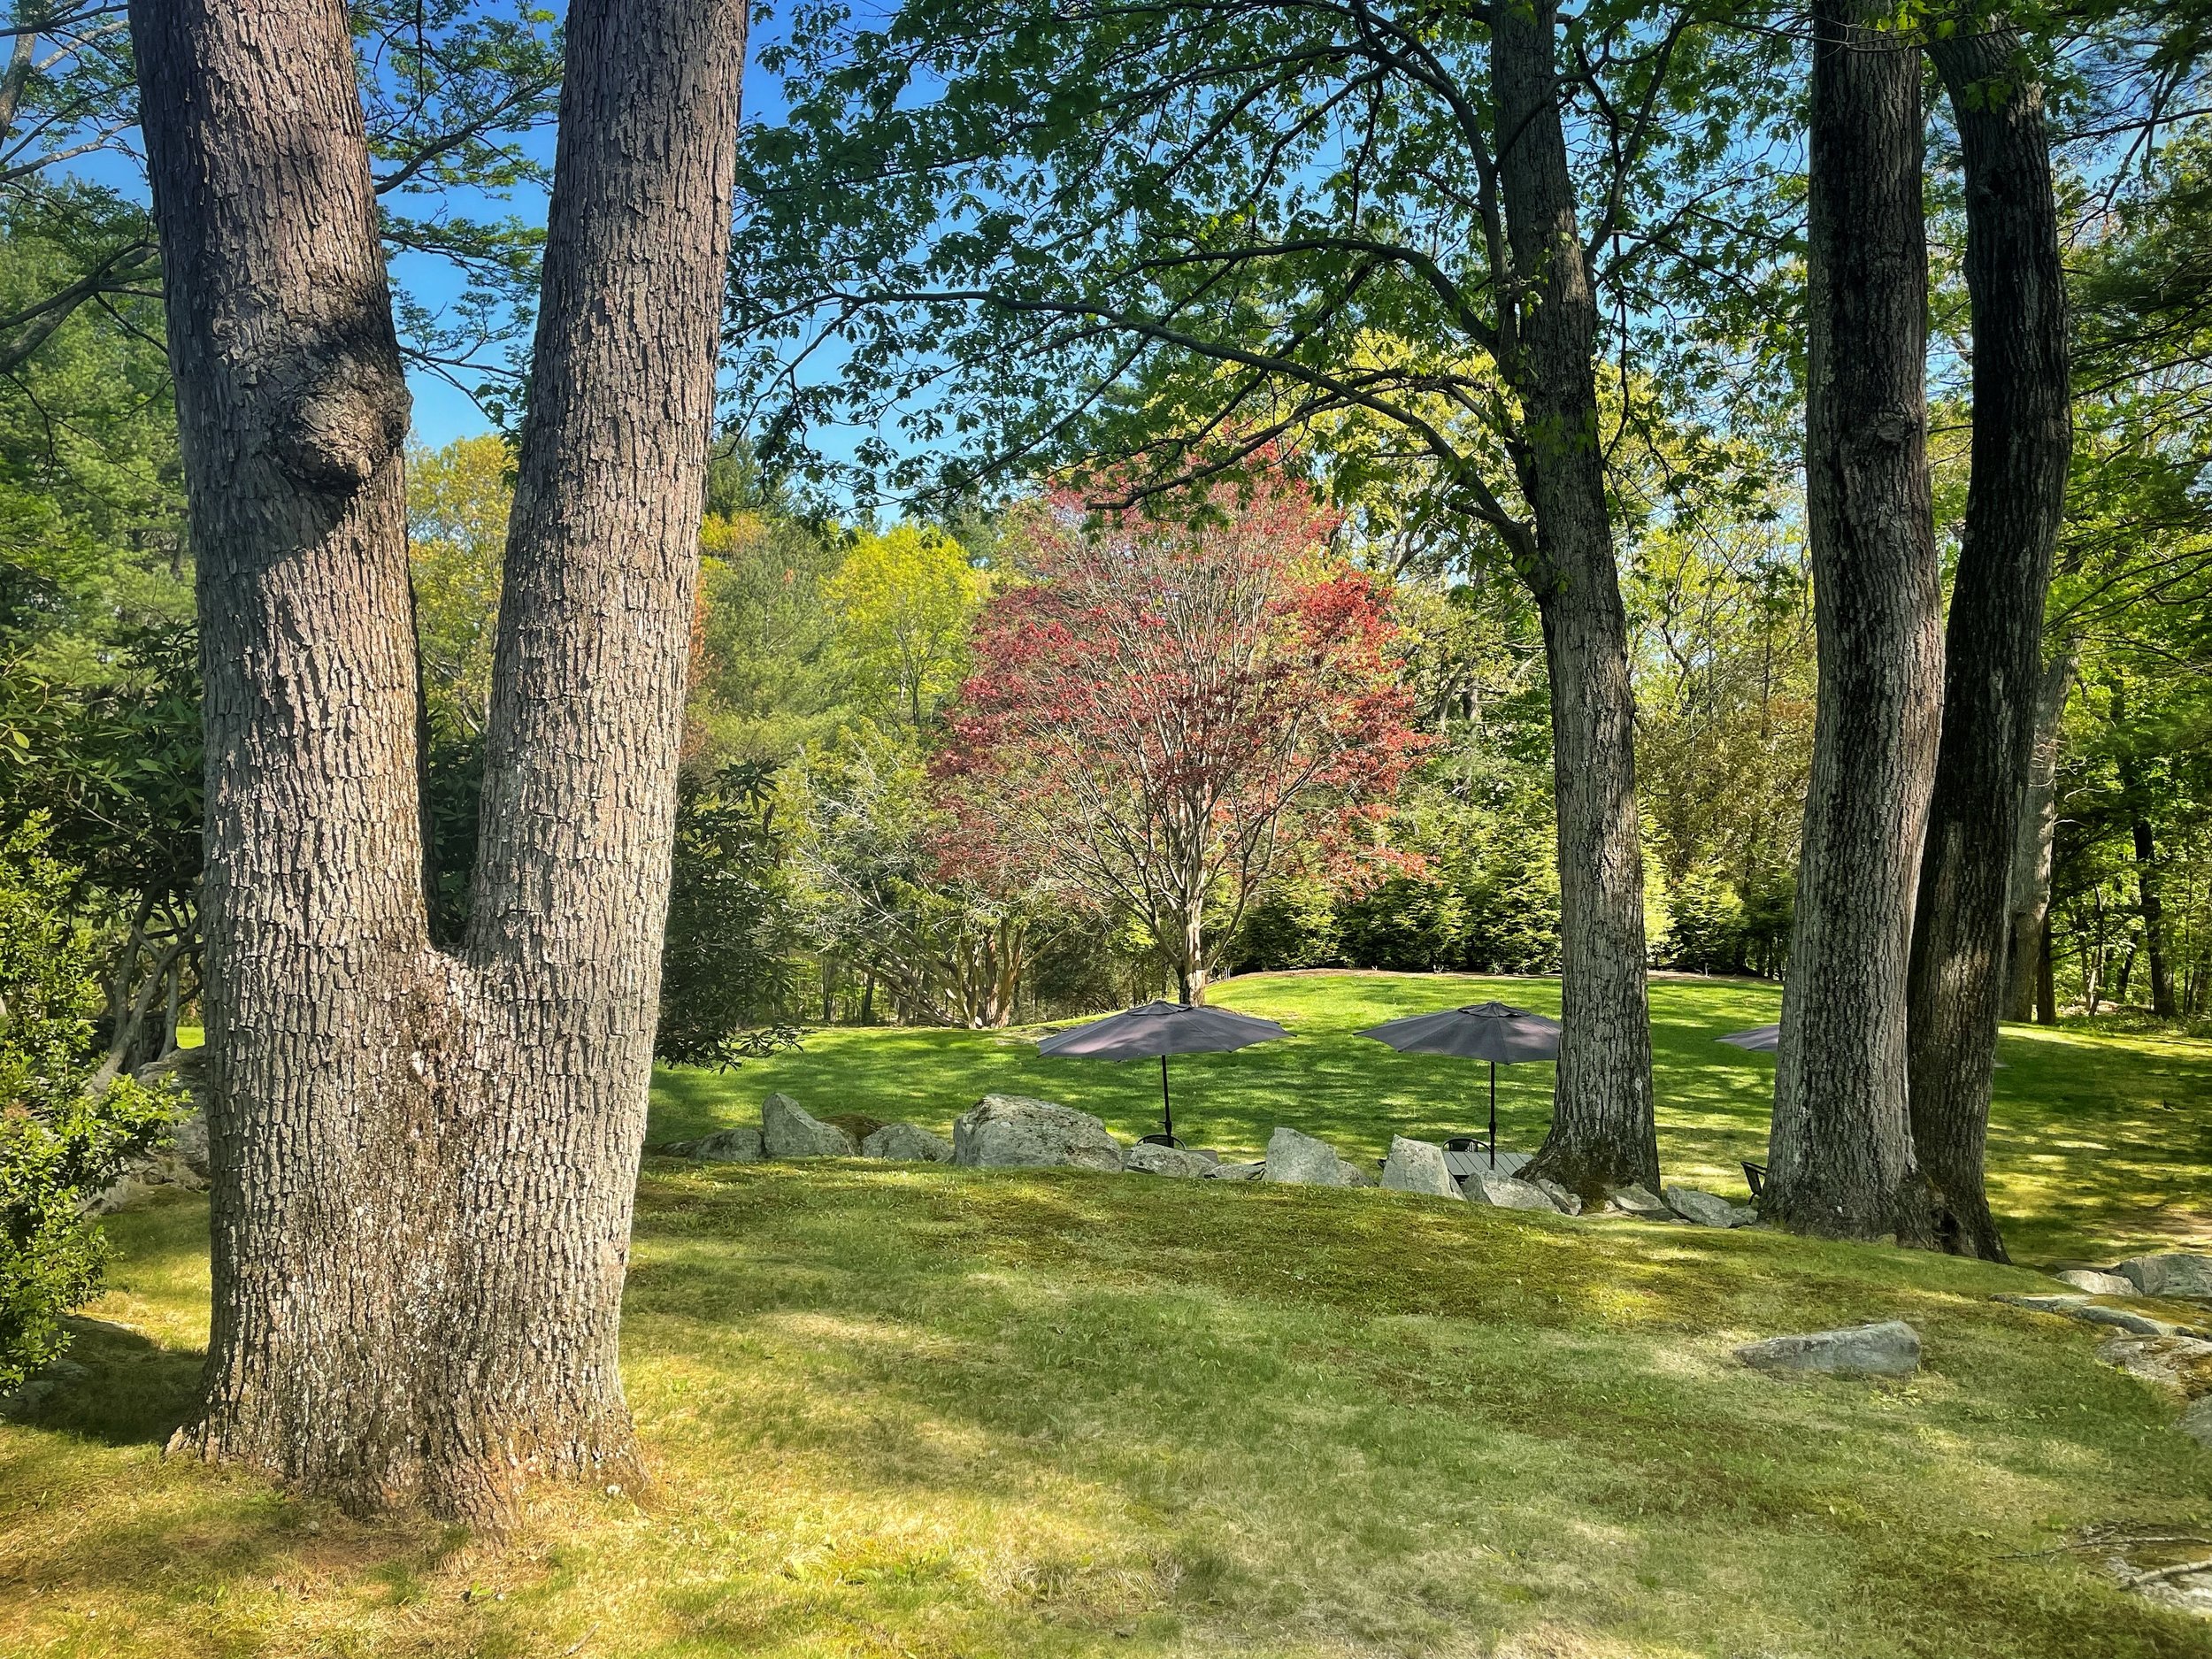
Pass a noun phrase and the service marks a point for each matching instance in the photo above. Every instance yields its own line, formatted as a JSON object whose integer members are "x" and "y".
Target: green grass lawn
{"x": 2100, "y": 1145}
{"x": 973, "y": 1414}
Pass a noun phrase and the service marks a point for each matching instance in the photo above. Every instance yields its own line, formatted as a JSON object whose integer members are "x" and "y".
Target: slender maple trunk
{"x": 2022, "y": 440}
{"x": 1602, "y": 1133}
{"x": 424, "y": 1161}
{"x": 1841, "y": 1159}
{"x": 2151, "y": 905}
{"x": 2029, "y": 888}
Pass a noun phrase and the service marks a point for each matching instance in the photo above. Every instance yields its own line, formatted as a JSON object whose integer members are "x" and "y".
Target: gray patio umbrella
{"x": 1767, "y": 1038}
{"x": 1758, "y": 1040}
{"x": 1162, "y": 1029}
{"x": 1480, "y": 1031}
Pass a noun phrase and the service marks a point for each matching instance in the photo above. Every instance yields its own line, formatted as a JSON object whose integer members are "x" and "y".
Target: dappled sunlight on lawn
{"x": 2100, "y": 1142}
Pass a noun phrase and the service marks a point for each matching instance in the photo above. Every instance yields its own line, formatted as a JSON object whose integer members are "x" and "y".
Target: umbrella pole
{"x": 1493, "y": 1114}
{"x": 1167, "y": 1107}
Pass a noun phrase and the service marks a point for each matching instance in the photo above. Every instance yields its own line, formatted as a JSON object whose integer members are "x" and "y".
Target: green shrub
{"x": 58, "y": 1146}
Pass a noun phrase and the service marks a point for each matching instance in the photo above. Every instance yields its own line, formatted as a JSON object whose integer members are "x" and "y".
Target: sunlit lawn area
{"x": 2100, "y": 1144}
{"x": 918, "y": 1411}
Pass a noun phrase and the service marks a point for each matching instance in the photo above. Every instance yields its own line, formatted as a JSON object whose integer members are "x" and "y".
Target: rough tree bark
{"x": 2022, "y": 440}
{"x": 423, "y": 1162}
{"x": 2029, "y": 885}
{"x": 1602, "y": 1133}
{"x": 1841, "y": 1159}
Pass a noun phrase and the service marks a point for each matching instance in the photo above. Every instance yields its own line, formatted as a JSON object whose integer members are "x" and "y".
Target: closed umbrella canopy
{"x": 1767, "y": 1038}
{"x": 1494, "y": 1031}
{"x": 1758, "y": 1040}
{"x": 1162, "y": 1029}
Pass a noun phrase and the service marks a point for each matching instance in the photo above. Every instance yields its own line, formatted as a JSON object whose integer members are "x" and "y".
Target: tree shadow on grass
{"x": 115, "y": 1387}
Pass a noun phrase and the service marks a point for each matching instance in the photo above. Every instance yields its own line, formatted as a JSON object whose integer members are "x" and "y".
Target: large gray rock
{"x": 907, "y": 1143}
{"x": 726, "y": 1146}
{"x": 187, "y": 1068}
{"x": 1417, "y": 1166}
{"x": 1303, "y": 1161}
{"x": 1639, "y": 1201}
{"x": 1706, "y": 1208}
{"x": 1567, "y": 1202}
{"x": 1013, "y": 1131}
{"x": 2173, "y": 1274}
{"x": 2096, "y": 1283}
{"x": 2179, "y": 1362}
{"x": 175, "y": 1157}
{"x": 1476, "y": 1161}
{"x": 787, "y": 1131}
{"x": 2123, "y": 1319}
{"x": 1149, "y": 1158}
{"x": 1891, "y": 1349}
{"x": 1236, "y": 1171}
{"x": 2079, "y": 1307}
{"x": 2196, "y": 1422}
{"x": 1506, "y": 1193}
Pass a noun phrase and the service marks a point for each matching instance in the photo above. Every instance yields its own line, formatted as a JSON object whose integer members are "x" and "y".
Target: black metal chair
{"x": 1756, "y": 1174}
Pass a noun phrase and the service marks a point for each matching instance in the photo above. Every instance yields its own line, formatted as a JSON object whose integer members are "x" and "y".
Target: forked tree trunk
{"x": 2029, "y": 885}
{"x": 1994, "y": 645}
{"x": 1841, "y": 1158}
{"x": 1602, "y": 1132}
{"x": 423, "y": 1161}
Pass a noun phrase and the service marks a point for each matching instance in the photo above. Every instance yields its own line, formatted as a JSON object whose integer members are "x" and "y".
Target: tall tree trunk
{"x": 1602, "y": 1132}
{"x": 2152, "y": 906}
{"x": 1841, "y": 1160}
{"x": 2148, "y": 902}
{"x": 2023, "y": 441}
{"x": 2046, "y": 980}
{"x": 423, "y": 1161}
{"x": 2029, "y": 887}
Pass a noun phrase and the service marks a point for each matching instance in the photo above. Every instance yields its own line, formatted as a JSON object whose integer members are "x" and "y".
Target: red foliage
{"x": 1163, "y": 716}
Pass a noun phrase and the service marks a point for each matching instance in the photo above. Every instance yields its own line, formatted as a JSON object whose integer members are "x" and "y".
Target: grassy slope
{"x": 2099, "y": 1145}
{"x": 902, "y": 1412}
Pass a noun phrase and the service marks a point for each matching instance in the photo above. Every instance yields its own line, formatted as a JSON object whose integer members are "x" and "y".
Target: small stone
{"x": 907, "y": 1143}
{"x": 1746, "y": 1215}
{"x": 1707, "y": 1209}
{"x": 1639, "y": 1201}
{"x": 1149, "y": 1158}
{"x": 1417, "y": 1166}
{"x": 787, "y": 1131}
{"x": 2196, "y": 1422}
{"x": 2176, "y": 1273}
{"x": 1236, "y": 1171}
{"x": 1300, "y": 1160}
{"x": 1891, "y": 1349}
{"x": 1566, "y": 1202}
{"x": 2053, "y": 1302}
{"x": 1015, "y": 1131}
{"x": 1353, "y": 1175}
{"x": 2097, "y": 1284}
{"x": 1503, "y": 1192}
{"x": 726, "y": 1146}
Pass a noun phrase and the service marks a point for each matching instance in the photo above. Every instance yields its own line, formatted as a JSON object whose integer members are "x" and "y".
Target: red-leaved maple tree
{"x": 1163, "y": 715}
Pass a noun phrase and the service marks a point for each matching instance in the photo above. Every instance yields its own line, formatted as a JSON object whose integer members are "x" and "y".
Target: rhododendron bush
{"x": 1164, "y": 714}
